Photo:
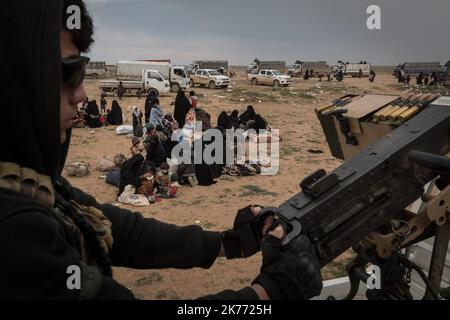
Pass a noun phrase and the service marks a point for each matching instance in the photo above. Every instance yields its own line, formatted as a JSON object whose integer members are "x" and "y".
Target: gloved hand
{"x": 244, "y": 240}
{"x": 291, "y": 272}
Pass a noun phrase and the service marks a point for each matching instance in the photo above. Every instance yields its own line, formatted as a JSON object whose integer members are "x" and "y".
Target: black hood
{"x": 31, "y": 72}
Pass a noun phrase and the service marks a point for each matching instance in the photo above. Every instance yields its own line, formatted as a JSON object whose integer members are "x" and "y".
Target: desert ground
{"x": 291, "y": 110}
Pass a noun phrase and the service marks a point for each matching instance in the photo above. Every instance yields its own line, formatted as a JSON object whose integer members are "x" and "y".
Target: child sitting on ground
{"x": 136, "y": 147}
{"x": 193, "y": 99}
{"x": 166, "y": 188}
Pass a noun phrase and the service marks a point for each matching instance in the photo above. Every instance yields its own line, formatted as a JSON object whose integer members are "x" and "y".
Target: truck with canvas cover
{"x": 320, "y": 68}
{"x": 132, "y": 70}
{"x": 413, "y": 69}
{"x": 96, "y": 70}
{"x": 258, "y": 65}
{"x": 150, "y": 81}
{"x": 219, "y": 65}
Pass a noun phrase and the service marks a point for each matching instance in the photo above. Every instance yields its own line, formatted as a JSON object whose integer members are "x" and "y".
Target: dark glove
{"x": 244, "y": 240}
{"x": 291, "y": 272}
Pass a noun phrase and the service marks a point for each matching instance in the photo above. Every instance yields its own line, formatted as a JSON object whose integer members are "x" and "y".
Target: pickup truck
{"x": 270, "y": 77}
{"x": 152, "y": 80}
{"x": 210, "y": 78}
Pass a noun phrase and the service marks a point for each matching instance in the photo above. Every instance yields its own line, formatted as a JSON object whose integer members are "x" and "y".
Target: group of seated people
{"x": 89, "y": 114}
{"x": 247, "y": 120}
{"x": 151, "y": 168}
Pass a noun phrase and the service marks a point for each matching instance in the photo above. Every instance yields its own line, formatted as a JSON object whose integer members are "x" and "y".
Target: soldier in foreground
{"x": 48, "y": 226}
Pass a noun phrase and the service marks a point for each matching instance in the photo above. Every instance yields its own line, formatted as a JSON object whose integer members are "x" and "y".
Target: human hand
{"x": 289, "y": 272}
{"x": 244, "y": 240}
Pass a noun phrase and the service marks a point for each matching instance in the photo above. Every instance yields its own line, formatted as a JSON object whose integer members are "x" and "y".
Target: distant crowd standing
{"x": 436, "y": 78}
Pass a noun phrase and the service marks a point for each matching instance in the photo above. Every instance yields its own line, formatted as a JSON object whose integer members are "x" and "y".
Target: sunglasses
{"x": 74, "y": 70}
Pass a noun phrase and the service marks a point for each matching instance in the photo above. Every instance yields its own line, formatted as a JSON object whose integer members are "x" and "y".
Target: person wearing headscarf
{"x": 156, "y": 153}
{"x": 115, "y": 117}
{"x": 248, "y": 115}
{"x": 182, "y": 107}
{"x": 137, "y": 122}
{"x": 223, "y": 120}
{"x": 419, "y": 79}
{"x": 260, "y": 124}
{"x": 131, "y": 172}
{"x": 51, "y": 233}
{"x": 193, "y": 99}
{"x": 207, "y": 173}
{"x": 149, "y": 104}
{"x": 157, "y": 114}
{"x": 93, "y": 115}
{"x": 234, "y": 119}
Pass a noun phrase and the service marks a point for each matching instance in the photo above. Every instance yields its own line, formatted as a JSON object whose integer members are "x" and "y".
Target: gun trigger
{"x": 293, "y": 233}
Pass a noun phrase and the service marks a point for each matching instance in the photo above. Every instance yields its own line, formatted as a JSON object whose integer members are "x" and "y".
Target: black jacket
{"x": 36, "y": 246}
{"x": 36, "y": 249}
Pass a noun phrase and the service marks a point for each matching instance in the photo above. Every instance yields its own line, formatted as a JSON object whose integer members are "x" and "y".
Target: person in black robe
{"x": 131, "y": 172}
{"x": 137, "y": 122}
{"x": 115, "y": 117}
{"x": 234, "y": 120}
{"x": 93, "y": 114}
{"x": 248, "y": 115}
{"x": 156, "y": 154}
{"x": 223, "y": 120}
{"x": 149, "y": 104}
{"x": 260, "y": 124}
{"x": 205, "y": 173}
{"x": 306, "y": 76}
{"x": 419, "y": 79}
{"x": 182, "y": 107}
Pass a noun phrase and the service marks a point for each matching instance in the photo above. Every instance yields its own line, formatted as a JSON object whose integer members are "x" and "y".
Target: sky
{"x": 287, "y": 30}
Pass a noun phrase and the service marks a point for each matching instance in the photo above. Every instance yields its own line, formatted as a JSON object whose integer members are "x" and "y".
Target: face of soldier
{"x": 70, "y": 97}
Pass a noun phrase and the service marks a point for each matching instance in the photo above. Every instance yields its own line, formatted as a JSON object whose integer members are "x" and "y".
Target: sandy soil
{"x": 291, "y": 111}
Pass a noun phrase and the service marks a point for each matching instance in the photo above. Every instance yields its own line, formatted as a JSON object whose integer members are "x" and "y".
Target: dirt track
{"x": 289, "y": 110}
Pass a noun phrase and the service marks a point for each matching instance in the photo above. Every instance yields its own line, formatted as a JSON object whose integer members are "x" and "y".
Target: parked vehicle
{"x": 132, "y": 70}
{"x": 96, "y": 70}
{"x": 352, "y": 69}
{"x": 446, "y": 71}
{"x": 300, "y": 67}
{"x": 413, "y": 69}
{"x": 209, "y": 77}
{"x": 258, "y": 65}
{"x": 151, "y": 80}
{"x": 270, "y": 77}
{"x": 220, "y": 65}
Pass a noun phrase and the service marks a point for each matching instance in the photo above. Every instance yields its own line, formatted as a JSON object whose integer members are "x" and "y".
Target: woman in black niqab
{"x": 182, "y": 107}
{"x": 248, "y": 115}
{"x": 115, "y": 117}
{"x": 93, "y": 115}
